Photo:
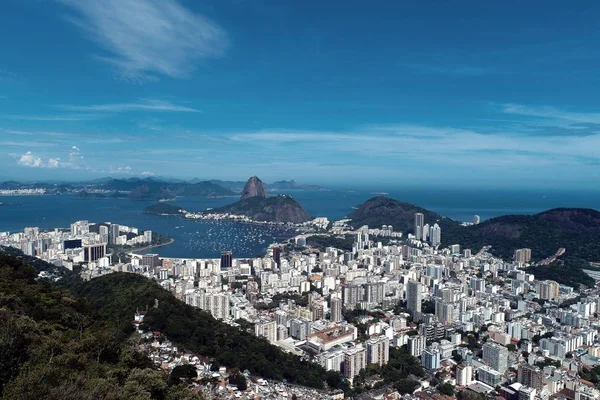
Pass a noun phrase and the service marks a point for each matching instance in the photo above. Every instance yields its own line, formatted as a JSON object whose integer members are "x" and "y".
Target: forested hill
{"x": 116, "y": 296}
{"x": 53, "y": 345}
{"x": 575, "y": 229}
{"x": 282, "y": 208}
{"x": 70, "y": 327}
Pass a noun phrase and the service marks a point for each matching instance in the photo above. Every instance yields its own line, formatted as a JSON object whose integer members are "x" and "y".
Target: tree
{"x": 511, "y": 347}
{"x": 238, "y": 380}
{"x": 183, "y": 374}
{"x": 446, "y": 388}
{"x": 406, "y": 385}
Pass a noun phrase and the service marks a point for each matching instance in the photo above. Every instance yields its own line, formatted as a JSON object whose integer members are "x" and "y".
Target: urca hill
{"x": 255, "y": 204}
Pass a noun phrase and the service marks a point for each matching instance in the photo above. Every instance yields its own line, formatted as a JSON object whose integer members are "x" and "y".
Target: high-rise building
{"x": 444, "y": 311}
{"x": 431, "y": 357}
{"x": 419, "y": 224}
{"x": 531, "y": 376}
{"x": 425, "y": 233}
{"x": 336, "y": 310}
{"x": 277, "y": 256}
{"x": 266, "y": 329}
{"x": 416, "y": 345}
{"x": 464, "y": 375}
{"x": 413, "y": 296}
{"x": 93, "y": 252}
{"x": 103, "y": 231}
{"x": 522, "y": 256}
{"x": 547, "y": 290}
{"x": 496, "y": 356}
{"x": 352, "y": 294}
{"x": 435, "y": 236}
{"x": 113, "y": 233}
{"x": 151, "y": 260}
{"x": 374, "y": 292}
{"x": 354, "y": 360}
{"x": 148, "y": 236}
{"x": 476, "y": 219}
{"x": 226, "y": 260}
{"x": 378, "y": 350}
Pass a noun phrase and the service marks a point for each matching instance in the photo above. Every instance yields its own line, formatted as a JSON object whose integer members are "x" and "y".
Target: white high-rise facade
{"x": 419, "y": 224}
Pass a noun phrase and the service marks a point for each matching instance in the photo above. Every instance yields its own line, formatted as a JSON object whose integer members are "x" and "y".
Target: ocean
{"x": 206, "y": 239}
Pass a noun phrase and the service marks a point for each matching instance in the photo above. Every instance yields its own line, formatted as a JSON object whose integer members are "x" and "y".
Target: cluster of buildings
{"x": 22, "y": 192}
{"x": 474, "y": 321}
{"x": 83, "y": 243}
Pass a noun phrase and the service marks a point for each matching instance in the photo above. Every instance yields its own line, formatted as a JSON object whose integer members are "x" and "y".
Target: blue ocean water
{"x": 207, "y": 239}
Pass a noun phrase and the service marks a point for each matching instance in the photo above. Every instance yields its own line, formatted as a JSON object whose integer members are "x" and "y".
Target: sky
{"x": 381, "y": 93}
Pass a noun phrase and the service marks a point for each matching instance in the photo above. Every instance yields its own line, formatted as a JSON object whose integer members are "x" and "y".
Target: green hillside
{"x": 280, "y": 208}
{"x": 53, "y": 345}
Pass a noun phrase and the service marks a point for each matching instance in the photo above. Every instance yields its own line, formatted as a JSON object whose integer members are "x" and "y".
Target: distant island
{"x": 163, "y": 209}
{"x": 254, "y": 205}
{"x": 151, "y": 188}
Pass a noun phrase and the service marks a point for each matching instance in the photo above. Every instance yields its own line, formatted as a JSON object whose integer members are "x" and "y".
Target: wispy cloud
{"x": 74, "y": 117}
{"x": 548, "y": 112}
{"x": 449, "y": 146}
{"x": 149, "y": 37}
{"x": 143, "y": 105}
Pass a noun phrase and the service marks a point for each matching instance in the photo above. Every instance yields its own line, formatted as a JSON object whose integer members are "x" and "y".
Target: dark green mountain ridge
{"x": 576, "y": 229}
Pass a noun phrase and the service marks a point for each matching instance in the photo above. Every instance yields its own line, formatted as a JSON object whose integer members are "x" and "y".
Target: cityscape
{"x": 470, "y": 321}
{"x": 299, "y": 200}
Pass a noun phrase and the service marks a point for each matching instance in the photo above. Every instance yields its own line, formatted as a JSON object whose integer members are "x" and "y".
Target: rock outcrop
{"x": 254, "y": 188}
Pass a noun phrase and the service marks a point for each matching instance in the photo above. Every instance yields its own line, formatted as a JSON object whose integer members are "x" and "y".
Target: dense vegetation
{"x": 280, "y": 208}
{"x": 396, "y": 372}
{"x": 116, "y": 297}
{"x": 567, "y": 272}
{"x": 53, "y": 345}
{"x": 572, "y": 228}
{"x": 322, "y": 242}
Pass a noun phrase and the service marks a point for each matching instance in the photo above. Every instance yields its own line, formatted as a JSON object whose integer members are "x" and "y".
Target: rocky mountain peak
{"x": 254, "y": 188}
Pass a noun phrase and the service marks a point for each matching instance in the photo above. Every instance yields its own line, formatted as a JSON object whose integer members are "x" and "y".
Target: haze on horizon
{"x": 456, "y": 93}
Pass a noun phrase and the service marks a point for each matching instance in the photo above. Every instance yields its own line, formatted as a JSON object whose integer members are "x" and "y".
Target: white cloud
{"x": 149, "y": 37}
{"x": 53, "y": 162}
{"x": 74, "y": 117}
{"x": 120, "y": 170}
{"x": 147, "y": 173}
{"x": 30, "y": 160}
{"x": 144, "y": 105}
{"x": 547, "y": 112}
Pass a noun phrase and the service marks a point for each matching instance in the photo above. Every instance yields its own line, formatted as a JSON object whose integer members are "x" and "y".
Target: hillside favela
{"x": 299, "y": 200}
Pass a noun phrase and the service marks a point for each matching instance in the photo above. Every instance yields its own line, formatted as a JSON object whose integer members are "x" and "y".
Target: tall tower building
{"x": 336, "y": 309}
{"x": 114, "y": 233}
{"x": 378, "y": 350}
{"x": 476, "y": 219}
{"x": 419, "y": 224}
{"x": 416, "y": 345}
{"x": 226, "y": 260}
{"x": 354, "y": 360}
{"x": 464, "y": 375}
{"x": 413, "y": 296}
{"x": 435, "y": 235}
{"x": 531, "y": 376}
{"x": 277, "y": 256}
{"x": 496, "y": 356}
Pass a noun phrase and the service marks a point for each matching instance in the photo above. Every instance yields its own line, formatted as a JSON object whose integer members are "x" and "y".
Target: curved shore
{"x": 143, "y": 249}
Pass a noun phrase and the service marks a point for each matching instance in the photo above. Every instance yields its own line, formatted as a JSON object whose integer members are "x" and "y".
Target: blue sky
{"x": 383, "y": 93}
